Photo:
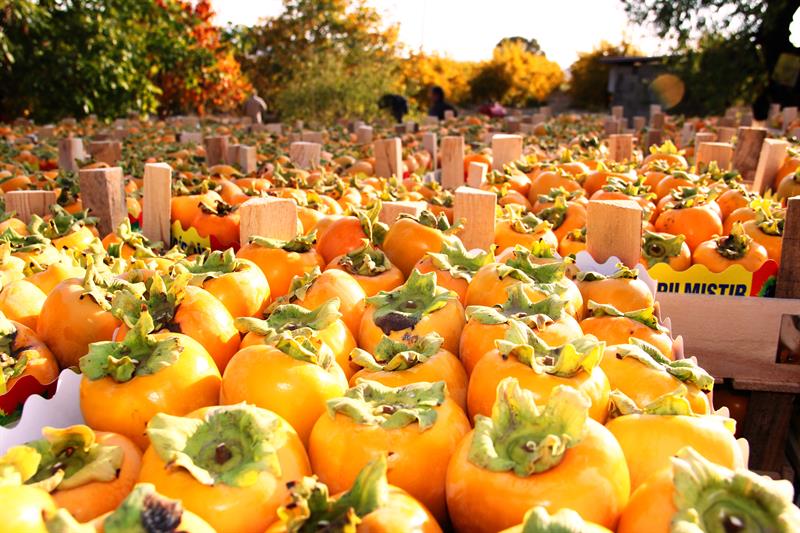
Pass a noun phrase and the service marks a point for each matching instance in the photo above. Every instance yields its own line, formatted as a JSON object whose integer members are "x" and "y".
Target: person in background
{"x": 438, "y": 104}
{"x": 254, "y": 107}
{"x": 396, "y": 104}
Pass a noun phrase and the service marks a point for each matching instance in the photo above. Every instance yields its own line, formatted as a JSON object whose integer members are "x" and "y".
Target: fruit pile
{"x": 365, "y": 376}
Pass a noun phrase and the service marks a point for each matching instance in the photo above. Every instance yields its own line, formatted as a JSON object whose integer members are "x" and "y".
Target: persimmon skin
{"x": 492, "y": 368}
{"x": 389, "y": 279}
{"x": 339, "y": 448}
{"x": 96, "y": 498}
{"x": 506, "y": 237}
{"x": 230, "y": 509}
{"x": 296, "y": 390}
{"x": 488, "y": 288}
{"x": 280, "y": 266}
{"x": 337, "y": 284}
{"x": 244, "y": 292}
{"x": 618, "y": 330}
{"x": 447, "y": 322}
{"x": 707, "y": 254}
{"x": 697, "y": 224}
{"x": 592, "y": 479}
{"x": 69, "y": 322}
{"x": 343, "y": 235}
{"x": 773, "y": 244}
{"x": 42, "y": 364}
{"x": 47, "y": 279}
{"x": 192, "y": 382}
{"x": 624, "y": 294}
{"x": 407, "y": 241}
{"x": 740, "y": 214}
{"x": 444, "y": 278}
{"x": 25, "y": 509}
{"x": 652, "y": 505}
{"x": 22, "y": 301}
{"x": 442, "y": 366}
{"x": 549, "y": 179}
{"x": 649, "y": 441}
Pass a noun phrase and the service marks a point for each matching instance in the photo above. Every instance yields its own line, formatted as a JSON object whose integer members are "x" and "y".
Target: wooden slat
{"x": 429, "y": 143}
{"x": 391, "y": 210}
{"x": 789, "y": 273}
{"x": 721, "y": 152}
{"x": 216, "y": 150}
{"x": 773, "y": 152}
{"x": 305, "y": 155}
{"x": 476, "y": 173}
{"x": 505, "y": 149}
{"x": 388, "y": 158}
{"x": 477, "y": 209}
{"x": 274, "y": 218}
{"x": 103, "y": 193}
{"x": 748, "y": 148}
{"x": 156, "y": 202}
{"x": 70, "y": 150}
{"x": 614, "y": 228}
{"x": 452, "y": 161}
{"x": 620, "y": 147}
{"x": 27, "y": 203}
{"x": 364, "y": 134}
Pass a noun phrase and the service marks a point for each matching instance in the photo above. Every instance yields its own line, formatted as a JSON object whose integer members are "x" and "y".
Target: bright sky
{"x": 469, "y": 29}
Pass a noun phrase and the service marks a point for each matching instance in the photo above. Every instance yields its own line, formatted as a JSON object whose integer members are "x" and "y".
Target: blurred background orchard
{"x": 321, "y": 60}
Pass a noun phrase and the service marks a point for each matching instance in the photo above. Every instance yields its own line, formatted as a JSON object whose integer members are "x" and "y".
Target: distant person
{"x": 396, "y": 104}
{"x": 438, "y": 104}
{"x": 254, "y": 107}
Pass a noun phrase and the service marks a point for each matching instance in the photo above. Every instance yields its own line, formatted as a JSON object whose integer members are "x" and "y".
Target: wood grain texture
{"x": 476, "y": 174}
{"x": 364, "y": 134}
{"x": 452, "y": 161}
{"x": 274, "y": 218}
{"x": 620, "y": 147}
{"x": 28, "y": 203}
{"x": 721, "y": 152}
{"x": 477, "y": 209}
{"x": 431, "y": 145}
{"x": 789, "y": 272}
{"x": 70, "y": 151}
{"x": 614, "y": 228}
{"x": 216, "y": 150}
{"x": 305, "y": 155}
{"x": 505, "y": 149}
{"x": 102, "y": 193}
{"x": 725, "y": 134}
{"x": 748, "y": 148}
{"x": 108, "y": 152}
{"x": 773, "y": 153}
{"x": 388, "y": 157}
{"x": 390, "y": 211}
{"x": 156, "y": 202}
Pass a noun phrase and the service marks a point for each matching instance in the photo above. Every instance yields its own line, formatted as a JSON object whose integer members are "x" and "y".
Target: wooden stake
{"x": 28, "y": 203}
{"x": 156, "y": 202}
{"x": 687, "y": 132}
{"x": 305, "y": 155}
{"x": 720, "y": 152}
{"x": 274, "y": 127}
{"x": 654, "y": 109}
{"x": 725, "y": 134}
{"x": 364, "y": 134}
{"x": 773, "y": 152}
{"x": 388, "y": 157}
{"x": 476, "y": 173}
{"x": 617, "y": 111}
{"x": 748, "y": 148}
{"x": 611, "y": 126}
{"x": 505, "y": 149}
{"x": 653, "y": 138}
{"x": 274, "y": 218}
{"x": 477, "y": 209}
{"x": 430, "y": 144}
{"x": 70, "y": 150}
{"x": 190, "y": 137}
{"x": 390, "y": 211}
{"x": 430, "y": 121}
{"x": 774, "y": 109}
{"x": 108, "y": 152}
{"x": 789, "y": 116}
{"x": 614, "y": 229}
{"x": 452, "y": 162}
{"x": 449, "y": 114}
{"x": 312, "y": 137}
{"x": 639, "y": 123}
{"x": 620, "y": 147}
{"x": 700, "y": 138}
{"x": 789, "y": 272}
{"x": 657, "y": 121}
{"x": 216, "y": 150}
{"x": 546, "y": 111}
{"x": 103, "y": 193}
{"x": 247, "y": 158}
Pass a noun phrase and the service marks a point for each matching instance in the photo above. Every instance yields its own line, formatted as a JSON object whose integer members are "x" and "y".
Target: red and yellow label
{"x": 734, "y": 281}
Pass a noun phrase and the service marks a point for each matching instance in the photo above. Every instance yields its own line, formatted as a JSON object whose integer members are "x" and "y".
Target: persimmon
{"x": 347, "y": 233}
{"x": 46, "y": 277}
{"x": 125, "y": 243}
{"x": 65, "y": 230}
{"x": 738, "y": 248}
{"x": 126, "y": 383}
{"x": 682, "y": 494}
{"x": 184, "y": 209}
{"x": 417, "y": 424}
{"x": 410, "y": 238}
{"x": 88, "y": 473}
{"x": 370, "y": 267}
{"x": 674, "y": 181}
{"x": 732, "y": 199}
{"x": 611, "y": 325}
{"x": 396, "y": 363}
{"x": 538, "y": 519}
{"x": 230, "y": 464}
{"x": 790, "y": 166}
{"x": 573, "y": 242}
{"x": 416, "y": 308}
{"x": 22, "y": 301}
{"x": 485, "y": 325}
{"x": 650, "y": 435}
{"x": 277, "y": 376}
{"x": 554, "y": 179}
{"x": 27, "y": 508}
{"x": 740, "y": 215}
{"x": 454, "y": 266}
{"x": 524, "y": 456}
{"x": 324, "y": 322}
{"x": 635, "y": 191}
{"x": 238, "y": 283}
{"x": 280, "y": 261}
{"x": 371, "y": 504}
{"x": 219, "y": 221}
{"x": 692, "y": 215}
{"x": 22, "y": 353}
{"x": 623, "y": 289}
{"x": 644, "y": 375}
{"x": 539, "y": 368}
{"x": 528, "y": 230}
{"x": 767, "y": 230}
{"x": 596, "y": 179}
{"x": 665, "y": 248}
{"x": 668, "y": 153}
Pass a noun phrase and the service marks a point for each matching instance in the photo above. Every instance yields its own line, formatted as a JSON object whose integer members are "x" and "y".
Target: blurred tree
{"x": 530, "y": 45}
{"x": 588, "y": 85}
{"x": 320, "y": 51}
{"x": 756, "y": 30}
{"x": 515, "y": 76}
{"x": 422, "y": 71}
{"x": 109, "y": 57}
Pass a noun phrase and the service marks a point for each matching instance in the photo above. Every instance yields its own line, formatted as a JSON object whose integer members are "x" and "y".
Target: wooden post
{"x": 748, "y": 148}
{"x": 46, "y": 132}
{"x": 312, "y": 137}
{"x": 274, "y": 218}
{"x": 720, "y": 152}
{"x": 725, "y": 134}
{"x": 430, "y": 144}
{"x": 654, "y": 110}
{"x": 452, "y": 162}
{"x": 611, "y": 126}
{"x": 390, "y": 211}
{"x": 538, "y": 118}
{"x": 789, "y": 116}
{"x": 789, "y": 273}
{"x": 774, "y": 110}
{"x": 388, "y": 157}
{"x": 449, "y": 114}
{"x": 618, "y": 112}
{"x": 70, "y": 150}
{"x": 156, "y": 202}
{"x": 305, "y": 155}
{"x": 546, "y": 111}
{"x": 653, "y": 138}
{"x": 687, "y": 132}
{"x": 247, "y": 158}
{"x": 773, "y": 152}
{"x": 190, "y": 137}
{"x": 614, "y": 228}
{"x": 216, "y": 150}
{"x": 700, "y": 138}
{"x": 657, "y": 121}
{"x": 505, "y": 149}
{"x": 620, "y": 147}
{"x": 364, "y": 134}
{"x": 639, "y": 123}
{"x": 275, "y": 128}
{"x": 27, "y": 203}
{"x": 108, "y": 152}
{"x": 430, "y": 121}
{"x": 477, "y": 209}
{"x": 476, "y": 173}
{"x": 103, "y": 193}
{"x": 512, "y": 124}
